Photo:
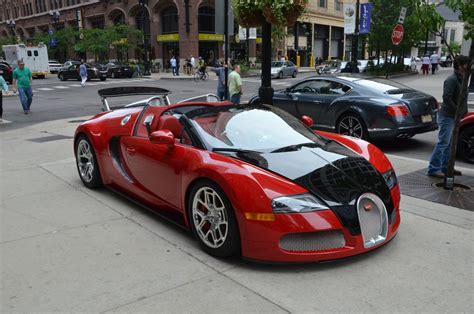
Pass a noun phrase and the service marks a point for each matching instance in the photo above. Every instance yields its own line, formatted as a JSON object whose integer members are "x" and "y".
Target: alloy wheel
{"x": 85, "y": 160}
{"x": 350, "y": 125}
{"x": 209, "y": 217}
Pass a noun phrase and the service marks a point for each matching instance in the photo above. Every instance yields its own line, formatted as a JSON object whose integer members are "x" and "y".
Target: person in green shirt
{"x": 3, "y": 86}
{"x": 22, "y": 79}
{"x": 235, "y": 85}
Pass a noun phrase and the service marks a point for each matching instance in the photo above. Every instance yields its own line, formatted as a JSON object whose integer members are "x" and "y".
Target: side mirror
{"x": 162, "y": 137}
{"x": 307, "y": 121}
{"x": 287, "y": 90}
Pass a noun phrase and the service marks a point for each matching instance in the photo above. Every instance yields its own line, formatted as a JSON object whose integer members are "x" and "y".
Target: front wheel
{"x": 61, "y": 77}
{"x": 86, "y": 162}
{"x": 280, "y": 75}
{"x": 294, "y": 74}
{"x": 466, "y": 144}
{"x": 213, "y": 221}
{"x": 103, "y": 78}
{"x": 352, "y": 125}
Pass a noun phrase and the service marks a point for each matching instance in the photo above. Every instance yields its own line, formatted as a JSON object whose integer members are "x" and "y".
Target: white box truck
{"x": 35, "y": 57}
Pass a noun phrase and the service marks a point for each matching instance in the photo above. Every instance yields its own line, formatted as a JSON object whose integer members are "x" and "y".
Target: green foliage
{"x": 466, "y": 7}
{"x": 9, "y": 40}
{"x": 455, "y": 48}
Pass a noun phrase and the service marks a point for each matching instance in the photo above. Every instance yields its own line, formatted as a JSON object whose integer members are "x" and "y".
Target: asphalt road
{"x": 55, "y": 100}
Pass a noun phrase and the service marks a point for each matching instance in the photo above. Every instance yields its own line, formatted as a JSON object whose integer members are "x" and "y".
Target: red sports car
{"x": 249, "y": 180}
{"x": 466, "y": 138}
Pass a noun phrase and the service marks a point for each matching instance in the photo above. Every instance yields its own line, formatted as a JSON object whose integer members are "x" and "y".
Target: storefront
{"x": 209, "y": 47}
{"x": 170, "y": 47}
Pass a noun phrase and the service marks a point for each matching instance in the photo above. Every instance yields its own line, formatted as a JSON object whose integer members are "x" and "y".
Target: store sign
{"x": 365, "y": 18}
{"x": 243, "y": 33}
{"x": 121, "y": 41}
{"x": 258, "y": 40}
{"x": 349, "y": 18}
{"x": 211, "y": 37}
{"x": 167, "y": 37}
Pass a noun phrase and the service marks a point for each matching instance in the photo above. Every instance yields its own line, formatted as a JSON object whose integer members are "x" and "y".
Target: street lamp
{"x": 145, "y": 27}
{"x": 12, "y": 25}
{"x": 54, "y": 17}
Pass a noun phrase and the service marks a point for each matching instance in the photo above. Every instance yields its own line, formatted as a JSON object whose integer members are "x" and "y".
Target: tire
{"x": 226, "y": 241}
{"x": 86, "y": 162}
{"x": 352, "y": 125}
{"x": 294, "y": 74}
{"x": 197, "y": 77}
{"x": 62, "y": 77}
{"x": 130, "y": 75}
{"x": 280, "y": 75}
{"x": 205, "y": 77}
{"x": 103, "y": 78}
{"x": 465, "y": 149}
{"x": 113, "y": 75}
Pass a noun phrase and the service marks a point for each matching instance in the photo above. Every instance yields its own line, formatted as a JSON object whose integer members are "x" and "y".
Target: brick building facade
{"x": 179, "y": 27}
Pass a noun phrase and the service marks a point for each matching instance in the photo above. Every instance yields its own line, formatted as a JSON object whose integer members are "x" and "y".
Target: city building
{"x": 182, "y": 28}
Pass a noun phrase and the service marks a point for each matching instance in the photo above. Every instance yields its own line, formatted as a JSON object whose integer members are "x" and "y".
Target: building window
{"x": 169, "y": 20}
{"x": 453, "y": 36}
{"x": 323, "y": 3}
{"x": 206, "y": 22}
{"x": 338, "y": 5}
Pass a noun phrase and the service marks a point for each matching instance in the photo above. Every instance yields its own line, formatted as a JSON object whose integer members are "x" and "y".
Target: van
{"x": 34, "y": 57}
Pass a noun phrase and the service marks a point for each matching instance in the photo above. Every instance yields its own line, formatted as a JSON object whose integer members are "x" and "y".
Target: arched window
{"x": 206, "y": 22}
{"x": 169, "y": 20}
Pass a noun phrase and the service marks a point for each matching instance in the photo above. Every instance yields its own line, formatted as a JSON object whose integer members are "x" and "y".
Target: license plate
{"x": 426, "y": 118}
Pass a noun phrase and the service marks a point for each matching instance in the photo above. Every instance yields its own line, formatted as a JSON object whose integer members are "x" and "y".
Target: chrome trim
{"x": 364, "y": 220}
{"x": 125, "y": 119}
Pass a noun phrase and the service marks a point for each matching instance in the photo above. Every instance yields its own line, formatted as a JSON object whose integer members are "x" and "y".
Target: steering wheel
{"x": 308, "y": 89}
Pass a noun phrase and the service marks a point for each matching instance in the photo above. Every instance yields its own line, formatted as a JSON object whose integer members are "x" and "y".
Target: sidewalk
{"x": 70, "y": 249}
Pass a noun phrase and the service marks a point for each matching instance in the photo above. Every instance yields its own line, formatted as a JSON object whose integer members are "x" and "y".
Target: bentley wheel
{"x": 87, "y": 163}
{"x": 352, "y": 125}
{"x": 212, "y": 220}
{"x": 466, "y": 144}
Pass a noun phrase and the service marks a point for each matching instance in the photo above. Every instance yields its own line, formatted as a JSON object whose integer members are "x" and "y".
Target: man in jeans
{"x": 22, "y": 79}
{"x": 235, "y": 85}
{"x": 451, "y": 93}
{"x": 220, "y": 72}
{"x": 83, "y": 73}
{"x": 434, "y": 59}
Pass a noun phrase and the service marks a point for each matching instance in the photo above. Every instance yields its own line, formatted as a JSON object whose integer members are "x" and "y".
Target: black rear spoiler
{"x": 132, "y": 91}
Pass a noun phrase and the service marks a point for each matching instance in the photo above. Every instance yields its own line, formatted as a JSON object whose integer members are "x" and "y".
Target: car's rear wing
{"x": 159, "y": 94}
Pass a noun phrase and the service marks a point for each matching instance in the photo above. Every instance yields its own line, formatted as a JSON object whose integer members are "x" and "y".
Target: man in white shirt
{"x": 193, "y": 62}
{"x": 173, "y": 65}
{"x": 434, "y": 59}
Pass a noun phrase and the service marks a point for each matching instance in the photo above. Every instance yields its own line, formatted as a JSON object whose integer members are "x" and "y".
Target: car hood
{"x": 334, "y": 173}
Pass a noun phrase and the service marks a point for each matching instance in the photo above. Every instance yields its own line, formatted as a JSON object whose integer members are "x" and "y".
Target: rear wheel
{"x": 61, "y": 77}
{"x": 113, "y": 75}
{"x": 280, "y": 75}
{"x": 197, "y": 76}
{"x": 352, "y": 125}
{"x": 466, "y": 144}
{"x": 294, "y": 74}
{"x": 103, "y": 78}
{"x": 86, "y": 162}
{"x": 213, "y": 221}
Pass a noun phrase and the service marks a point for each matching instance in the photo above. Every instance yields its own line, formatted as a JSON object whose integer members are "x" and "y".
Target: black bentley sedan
{"x": 117, "y": 69}
{"x": 366, "y": 108}
{"x": 72, "y": 72}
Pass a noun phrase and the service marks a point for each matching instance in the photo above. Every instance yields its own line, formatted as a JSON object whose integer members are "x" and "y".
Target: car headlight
{"x": 390, "y": 178}
{"x": 302, "y": 203}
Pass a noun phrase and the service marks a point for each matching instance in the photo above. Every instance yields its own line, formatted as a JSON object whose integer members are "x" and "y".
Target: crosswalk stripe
{"x": 75, "y": 85}
{"x": 45, "y": 88}
{"x": 60, "y": 87}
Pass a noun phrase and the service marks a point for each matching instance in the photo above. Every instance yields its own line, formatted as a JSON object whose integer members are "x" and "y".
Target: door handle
{"x": 316, "y": 101}
{"x": 131, "y": 151}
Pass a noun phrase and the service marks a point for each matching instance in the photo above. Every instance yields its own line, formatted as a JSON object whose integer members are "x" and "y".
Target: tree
{"x": 8, "y": 40}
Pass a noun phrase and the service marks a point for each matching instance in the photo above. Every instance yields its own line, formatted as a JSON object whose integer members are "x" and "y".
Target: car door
{"x": 73, "y": 72}
{"x": 156, "y": 168}
{"x": 329, "y": 92}
{"x": 309, "y": 102}
{"x": 289, "y": 68}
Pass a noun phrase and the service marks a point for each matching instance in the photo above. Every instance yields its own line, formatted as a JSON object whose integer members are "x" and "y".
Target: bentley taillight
{"x": 397, "y": 110}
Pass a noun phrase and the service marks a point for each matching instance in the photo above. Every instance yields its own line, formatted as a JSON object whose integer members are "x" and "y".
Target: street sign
{"x": 397, "y": 34}
{"x": 403, "y": 13}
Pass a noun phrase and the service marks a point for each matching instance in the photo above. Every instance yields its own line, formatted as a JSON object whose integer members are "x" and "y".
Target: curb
{"x": 177, "y": 79}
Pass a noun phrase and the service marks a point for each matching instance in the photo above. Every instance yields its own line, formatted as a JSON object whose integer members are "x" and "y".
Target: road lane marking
{"x": 75, "y": 85}
{"x": 60, "y": 87}
{"x": 45, "y": 88}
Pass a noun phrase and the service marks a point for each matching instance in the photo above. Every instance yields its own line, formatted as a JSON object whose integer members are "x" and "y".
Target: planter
{"x": 286, "y": 16}
{"x": 250, "y": 18}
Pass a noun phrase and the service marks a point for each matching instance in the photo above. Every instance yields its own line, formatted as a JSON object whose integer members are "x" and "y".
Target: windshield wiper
{"x": 235, "y": 150}
{"x": 291, "y": 148}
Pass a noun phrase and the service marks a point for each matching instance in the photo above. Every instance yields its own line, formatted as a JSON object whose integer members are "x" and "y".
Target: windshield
{"x": 277, "y": 64}
{"x": 256, "y": 128}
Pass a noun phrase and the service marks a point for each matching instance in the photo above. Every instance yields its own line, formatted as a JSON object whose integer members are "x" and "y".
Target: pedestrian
{"x": 235, "y": 85}
{"x": 220, "y": 72}
{"x": 3, "y": 87}
{"x": 23, "y": 79}
{"x": 425, "y": 64}
{"x": 193, "y": 64}
{"x": 83, "y": 73}
{"x": 173, "y": 65}
{"x": 434, "y": 60}
{"x": 451, "y": 92}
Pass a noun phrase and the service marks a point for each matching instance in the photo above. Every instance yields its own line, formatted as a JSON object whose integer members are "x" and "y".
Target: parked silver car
{"x": 283, "y": 68}
{"x": 54, "y": 66}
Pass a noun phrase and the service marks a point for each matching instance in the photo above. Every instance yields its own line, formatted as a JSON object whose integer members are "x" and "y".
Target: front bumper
{"x": 263, "y": 241}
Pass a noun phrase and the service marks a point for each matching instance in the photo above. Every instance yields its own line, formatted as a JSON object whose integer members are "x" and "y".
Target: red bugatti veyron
{"x": 249, "y": 180}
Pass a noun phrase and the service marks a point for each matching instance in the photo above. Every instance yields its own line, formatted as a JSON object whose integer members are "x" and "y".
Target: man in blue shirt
{"x": 83, "y": 73}
{"x": 220, "y": 72}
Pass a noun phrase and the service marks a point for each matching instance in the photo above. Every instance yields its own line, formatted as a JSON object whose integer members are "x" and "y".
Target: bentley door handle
{"x": 316, "y": 101}
{"x": 131, "y": 151}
